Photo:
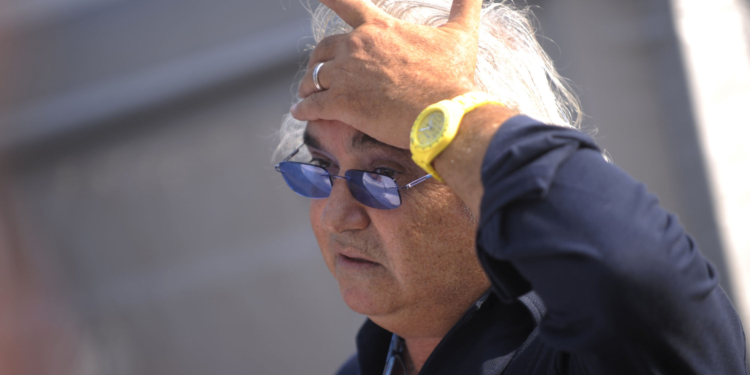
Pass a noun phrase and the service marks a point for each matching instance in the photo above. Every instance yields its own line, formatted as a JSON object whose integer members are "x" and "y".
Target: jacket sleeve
{"x": 626, "y": 289}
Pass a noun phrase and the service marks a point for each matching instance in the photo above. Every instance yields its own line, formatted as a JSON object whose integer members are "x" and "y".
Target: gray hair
{"x": 511, "y": 64}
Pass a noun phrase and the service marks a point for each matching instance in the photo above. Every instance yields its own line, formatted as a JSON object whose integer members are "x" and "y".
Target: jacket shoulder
{"x": 350, "y": 367}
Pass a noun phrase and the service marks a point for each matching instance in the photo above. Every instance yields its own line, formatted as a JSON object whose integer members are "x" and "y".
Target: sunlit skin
{"x": 412, "y": 270}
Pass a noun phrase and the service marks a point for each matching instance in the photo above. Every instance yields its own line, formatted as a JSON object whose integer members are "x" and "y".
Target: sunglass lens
{"x": 373, "y": 190}
{"x": 306, "y": 180}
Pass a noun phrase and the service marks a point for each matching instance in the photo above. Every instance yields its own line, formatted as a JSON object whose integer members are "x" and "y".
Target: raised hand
{"x": 379, "y": 77}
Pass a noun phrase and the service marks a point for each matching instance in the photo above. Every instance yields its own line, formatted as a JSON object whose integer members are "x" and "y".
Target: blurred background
{"x": 144, "y": 230}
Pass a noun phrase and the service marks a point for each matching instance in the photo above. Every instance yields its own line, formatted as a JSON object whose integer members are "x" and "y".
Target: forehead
{"x": 336, "y": 136}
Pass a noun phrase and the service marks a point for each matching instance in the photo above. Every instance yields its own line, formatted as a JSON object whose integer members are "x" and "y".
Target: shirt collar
{"x": 489, "y": 329}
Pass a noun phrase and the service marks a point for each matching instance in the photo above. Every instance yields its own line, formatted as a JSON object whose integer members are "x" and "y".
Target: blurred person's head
{"x": 37, "y": 333}
{"x": 413, "y": 269}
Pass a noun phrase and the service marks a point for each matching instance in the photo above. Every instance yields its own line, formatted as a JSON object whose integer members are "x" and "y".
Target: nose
{"x": 342, "y": 212}
{"x": 336, "y": 176}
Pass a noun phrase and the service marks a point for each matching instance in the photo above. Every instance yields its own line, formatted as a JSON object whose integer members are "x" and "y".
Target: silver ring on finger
{"x": 316, "y": 80}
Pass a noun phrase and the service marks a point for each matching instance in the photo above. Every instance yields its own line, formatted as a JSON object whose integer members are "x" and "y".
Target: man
{"x": 618, "y": 286}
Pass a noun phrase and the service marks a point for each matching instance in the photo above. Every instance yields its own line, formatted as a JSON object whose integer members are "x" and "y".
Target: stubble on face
{"x": 421, "y": 270}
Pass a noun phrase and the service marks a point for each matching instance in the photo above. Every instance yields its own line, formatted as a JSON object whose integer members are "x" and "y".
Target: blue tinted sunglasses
{"x": 369, "y": 188}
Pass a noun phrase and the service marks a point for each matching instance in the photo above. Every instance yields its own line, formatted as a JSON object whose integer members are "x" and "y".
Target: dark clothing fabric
{"x": 625, "y": 288}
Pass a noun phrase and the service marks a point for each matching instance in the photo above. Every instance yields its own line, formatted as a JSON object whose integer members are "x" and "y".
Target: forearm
{"x": 460, "y": 164}
{"x": 628, "y": 290}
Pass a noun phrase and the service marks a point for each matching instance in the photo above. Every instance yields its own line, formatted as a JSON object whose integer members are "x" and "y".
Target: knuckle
{"x": 316, "y": 101}
{"x": 325, "y": 43}
{"x": 323, "y": 50}
{"x": 311, "y": 107}
{"x": 311, "y": 60}
{"x": 358, "y": 41}
{"x": 354, "y": 43}
{"x": 302, "y": 89}
{"x": 382, "y": 23}
{"x": 298, "y": 111}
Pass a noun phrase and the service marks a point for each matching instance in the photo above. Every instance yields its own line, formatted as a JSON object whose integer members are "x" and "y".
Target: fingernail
{"x": 294, "y": 108}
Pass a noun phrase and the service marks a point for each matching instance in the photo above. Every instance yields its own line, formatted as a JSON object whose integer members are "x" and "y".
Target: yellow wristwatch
{"x": 436, "y": 127}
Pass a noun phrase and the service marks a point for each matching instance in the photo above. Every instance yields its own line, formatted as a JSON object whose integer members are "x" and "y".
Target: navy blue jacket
{"x": 626, "y": 290}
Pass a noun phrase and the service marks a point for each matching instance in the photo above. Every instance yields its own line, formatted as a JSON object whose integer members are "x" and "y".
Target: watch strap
{"x": 458, "y": 106}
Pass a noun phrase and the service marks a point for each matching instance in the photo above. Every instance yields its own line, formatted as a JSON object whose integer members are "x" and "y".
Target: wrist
{"x": 436, "y": 127}
{"x": 460, "y": 164}
{"x": 475, "y": 133}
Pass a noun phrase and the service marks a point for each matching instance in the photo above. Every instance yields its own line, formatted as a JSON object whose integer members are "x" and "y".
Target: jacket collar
{"x": 488, "y": 331}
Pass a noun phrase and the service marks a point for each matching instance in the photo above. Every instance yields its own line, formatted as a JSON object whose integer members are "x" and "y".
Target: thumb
{"x": 355, "y": 12}
{"x": 465, "y": 14}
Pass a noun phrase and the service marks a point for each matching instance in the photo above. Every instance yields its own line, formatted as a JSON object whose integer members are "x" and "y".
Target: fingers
{"x": 325, "y": 50}
{"x": 466, "y": 14}
{"x": 312, "y": 107}
{"x": 307, "y": 85}
{"x": 355, "y": 12}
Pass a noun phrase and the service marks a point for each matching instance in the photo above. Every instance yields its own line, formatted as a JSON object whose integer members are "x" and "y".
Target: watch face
{"x": 431, "y": 128}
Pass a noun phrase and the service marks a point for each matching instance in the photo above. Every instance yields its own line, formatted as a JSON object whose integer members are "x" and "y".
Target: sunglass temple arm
{"x": 415, "y": 182}
{"x": 296, "y": 150}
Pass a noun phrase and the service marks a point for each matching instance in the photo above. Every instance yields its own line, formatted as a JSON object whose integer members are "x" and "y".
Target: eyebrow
{"x": 360, "y": 142}
{"x": 310, "y": 141}
{"x": 363, "y": 142}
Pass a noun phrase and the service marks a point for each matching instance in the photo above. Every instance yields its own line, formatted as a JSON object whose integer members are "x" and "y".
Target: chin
{"x": 364, "y": 301}
{"x": 386, "y": 311}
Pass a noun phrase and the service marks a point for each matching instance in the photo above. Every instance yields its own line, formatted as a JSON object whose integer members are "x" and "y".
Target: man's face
{"x": 413, "y": 269}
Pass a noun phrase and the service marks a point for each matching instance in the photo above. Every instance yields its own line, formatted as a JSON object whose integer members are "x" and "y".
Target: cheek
{"x": 316, "y": 213}
{"x": 432, "y": 241}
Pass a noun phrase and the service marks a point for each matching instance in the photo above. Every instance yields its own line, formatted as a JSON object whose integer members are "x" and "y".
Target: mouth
{"x": 352, "y": 262}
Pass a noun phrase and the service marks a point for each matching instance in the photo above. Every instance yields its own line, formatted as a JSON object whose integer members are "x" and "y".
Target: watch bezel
{"x": 445, "y": 108}
{"x": 436, "y": 137}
